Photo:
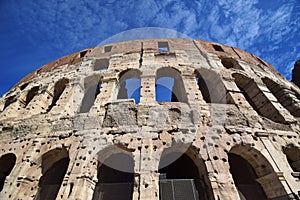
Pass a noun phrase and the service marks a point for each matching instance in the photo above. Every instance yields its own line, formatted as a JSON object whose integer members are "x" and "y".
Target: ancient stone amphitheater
{"x": 167, "y": 119}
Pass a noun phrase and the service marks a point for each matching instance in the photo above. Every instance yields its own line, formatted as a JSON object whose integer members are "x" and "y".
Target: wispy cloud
{"x": 249, "y": 25}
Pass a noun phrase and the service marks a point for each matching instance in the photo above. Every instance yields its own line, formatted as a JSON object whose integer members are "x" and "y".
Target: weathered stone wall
{"x": 73, "y": 112}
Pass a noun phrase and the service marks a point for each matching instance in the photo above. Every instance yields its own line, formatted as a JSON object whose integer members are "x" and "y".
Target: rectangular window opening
{"x": 163, "y": 47}
{"x": 218, "y": 48}
{"x": 83, "y": 53}
{"x": 107, "y": 49}
{"x": 101, "y": 64}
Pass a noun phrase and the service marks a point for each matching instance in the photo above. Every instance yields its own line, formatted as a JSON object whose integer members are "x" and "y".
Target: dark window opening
{"x": 169, "y": 86}
{"x": 244, "y": 178}
{"x": 83, "y": 53}
{"x": 31, "y": 94}
{"x": 293, "y": 156}
{"x": 230, "y": 63}
{"x": 9, "y": 101}
{"x": 115, "y": 178}
{"x": 59, "y": 88}
{"x": 7, "y": 163}
{"x": 211, "y": 86}
{"x": 101, "y": 64}
{"x": 257, "y": 99}
{"x": 107, "y": 49}
{"x": 52, "y": 179}
{"x": 130, "y": 85}
{"x": 163, "y": 47}
{"x": 218, "y": 48}
{"x": 176, "y": 183}
{"x": 89, "y": 97}
{"x": 286, "y": 97}
{"x": 22, "y": 87}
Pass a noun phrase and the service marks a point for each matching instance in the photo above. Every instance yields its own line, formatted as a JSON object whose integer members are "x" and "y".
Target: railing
{"x": 178, "y": 189}
{"x": 113, "y": 191}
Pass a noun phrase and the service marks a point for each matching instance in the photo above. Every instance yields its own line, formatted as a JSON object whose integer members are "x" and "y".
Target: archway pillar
{"x": 271, "y": 188}
{"x": 279, "y": 165}
{"x": 221, "y": 180}
{"x": 149, "y": 186}
{"x": 148, "y": 89}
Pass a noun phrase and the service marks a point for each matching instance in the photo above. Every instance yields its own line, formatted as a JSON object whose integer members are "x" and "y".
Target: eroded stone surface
{"x": 75, "y": 112}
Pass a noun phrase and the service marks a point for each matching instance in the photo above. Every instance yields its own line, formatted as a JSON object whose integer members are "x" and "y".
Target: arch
{"x": 286, "y": 97}
{"x": 293, "y": 157}
{"x": 54, "y": 167}
{"x": 253, "y": 175}
{"x": 130, "y": 85}
{"x": 9, "y": 101}
{"x": 169, "y": 86}
{"x": 183, "y": 174}
{"x": 7, "y": 163}
{"x": 92, "y": 87}
{"x": 211, "y": 86}
{"x": 257, "y": 99}
{"x": 31, "y": 94}
{"x": 115, "y": 177}
{"x": 59, "y": 88}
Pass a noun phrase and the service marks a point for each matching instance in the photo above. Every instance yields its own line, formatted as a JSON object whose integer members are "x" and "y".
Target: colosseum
{"x": 168, "y": 119}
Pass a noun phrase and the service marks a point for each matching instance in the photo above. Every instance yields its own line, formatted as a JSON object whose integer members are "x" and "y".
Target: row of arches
{"x": 182, "y": 174}
{"x": 169, "y": 87}
{"x": 54, "y": 93}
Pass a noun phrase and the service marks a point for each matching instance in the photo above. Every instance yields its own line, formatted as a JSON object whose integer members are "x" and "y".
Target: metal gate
{"x": 178, "y": 189}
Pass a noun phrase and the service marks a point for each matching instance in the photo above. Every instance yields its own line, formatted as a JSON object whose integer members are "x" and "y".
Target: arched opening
{"x": 286, "y": 97}
{"x": 211, "y": 86}
{"x": 54, "y": 167}
{"x": 257, "y": 99}
{"x": 115, "y": 178}
{"x": 254, "y": 177}
{"x": 293, "y": 157}
{"x": 130, "y": 85}
{"x": 7, "y": 163}
{"x": 245, "y": 178}
{"x": 9, "y": 101}
{"x": 30, "y": 95}
{"x": 181, "y": 178}
{"x": 230, "y": 63}
{"x": 92, "y": 90}
{"x": 59, "y": 88}
{"x": 169, "y": 86}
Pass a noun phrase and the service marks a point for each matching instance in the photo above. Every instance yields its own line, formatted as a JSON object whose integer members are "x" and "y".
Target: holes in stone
{"x": 215, "y": 158}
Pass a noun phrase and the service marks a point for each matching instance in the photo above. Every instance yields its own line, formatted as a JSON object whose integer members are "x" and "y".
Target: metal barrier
{"x": 178, "y": 189}
{"x": 113, "y": 191}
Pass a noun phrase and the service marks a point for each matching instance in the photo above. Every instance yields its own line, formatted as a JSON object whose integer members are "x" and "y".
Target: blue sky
{"x": 33, "y": 33}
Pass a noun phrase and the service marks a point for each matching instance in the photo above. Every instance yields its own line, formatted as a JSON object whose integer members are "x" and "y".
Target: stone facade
{"x": 100, "y": 122}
